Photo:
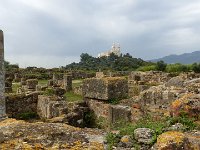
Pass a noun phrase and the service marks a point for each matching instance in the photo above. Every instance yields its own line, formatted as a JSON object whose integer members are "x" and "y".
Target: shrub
{"x": 161, "y": 66}
{"x": 147, "y": 68}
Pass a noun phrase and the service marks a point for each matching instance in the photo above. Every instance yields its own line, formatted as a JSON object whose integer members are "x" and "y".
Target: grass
{"x": 42, "y": 82}
{"x": 158, "y": 126}
{"x": 71, "y": 97}
{"x": 15, "y": 86}
{"x": 77, "y": 83}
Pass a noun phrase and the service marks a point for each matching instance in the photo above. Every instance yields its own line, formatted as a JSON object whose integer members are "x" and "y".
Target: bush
{"x": 161, "y": 66}
{"x": 196, "y": 67}
{"x": 177, "y": 68}
{"x": 147, "y": 68}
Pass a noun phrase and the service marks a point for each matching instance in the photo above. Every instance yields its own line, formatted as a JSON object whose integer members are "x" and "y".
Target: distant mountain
{"x": 186, "y": 58}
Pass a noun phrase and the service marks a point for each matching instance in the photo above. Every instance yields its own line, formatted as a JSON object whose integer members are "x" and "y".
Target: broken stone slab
{"x": 105, "y": 88}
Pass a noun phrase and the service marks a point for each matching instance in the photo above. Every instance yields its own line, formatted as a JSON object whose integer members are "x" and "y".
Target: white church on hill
{"x": 114, "y": 49}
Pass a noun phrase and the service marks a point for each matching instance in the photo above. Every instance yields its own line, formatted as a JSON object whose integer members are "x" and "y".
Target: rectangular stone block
{"x": 105, "y": 88}
{"x": 99, "y": 74}
{"x": 120, "y": 114}
{"x": 50, "y": 107}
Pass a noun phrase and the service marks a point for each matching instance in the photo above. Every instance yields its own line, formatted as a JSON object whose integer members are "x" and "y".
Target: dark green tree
{"x": 161, "y": 65}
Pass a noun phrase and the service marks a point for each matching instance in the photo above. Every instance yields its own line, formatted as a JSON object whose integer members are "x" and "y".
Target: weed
{"x": 49, "y": 92}
{"x": 27, "y": 115}
{"x": 112, "y": 139}
{"x": 187, "y": 122}
{"x": 71, "y": 97}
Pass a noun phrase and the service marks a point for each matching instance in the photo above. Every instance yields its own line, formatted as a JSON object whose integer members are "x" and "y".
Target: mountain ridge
{"x": 185, "y": 58}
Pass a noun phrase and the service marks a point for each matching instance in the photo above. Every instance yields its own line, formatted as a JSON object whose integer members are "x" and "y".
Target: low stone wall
{"x": 21, "y": 103}
{"x": 100, "y": 108}
{"x": 111, "y": 113}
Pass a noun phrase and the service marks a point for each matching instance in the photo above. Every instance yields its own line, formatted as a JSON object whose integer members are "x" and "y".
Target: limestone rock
{"x": 176, "y": 127}
{"x": 173, "y": 140}
{"x": 105, "y": 88}
{"x": 126, "y": 142}
{"x": 189, "y": 104}
{"x": 143, "y": 135}
{"x": 22, "y": 135}
{"x": 49, "y": 107}
{"x": 175, "y": 81}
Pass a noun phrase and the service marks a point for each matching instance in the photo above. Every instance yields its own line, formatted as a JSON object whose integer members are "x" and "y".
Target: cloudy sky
{"x": 53, "y": 33}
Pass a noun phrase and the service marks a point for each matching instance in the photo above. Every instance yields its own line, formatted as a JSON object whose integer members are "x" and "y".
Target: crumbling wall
{"x": 17, "y": 104}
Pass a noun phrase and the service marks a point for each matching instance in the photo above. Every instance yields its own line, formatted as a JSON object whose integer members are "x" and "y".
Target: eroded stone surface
{"x": 2, "y": 81}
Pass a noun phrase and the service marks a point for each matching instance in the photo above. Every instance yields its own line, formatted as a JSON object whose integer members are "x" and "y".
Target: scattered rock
{"x": 176, "y": 127}
{"x": 143, "y": 135}
{"x": 126, "y": 142}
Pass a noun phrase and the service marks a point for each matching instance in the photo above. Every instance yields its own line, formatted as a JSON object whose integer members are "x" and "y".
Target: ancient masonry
{"x": 2, "y": 83}
{"x": 114, "y": 49}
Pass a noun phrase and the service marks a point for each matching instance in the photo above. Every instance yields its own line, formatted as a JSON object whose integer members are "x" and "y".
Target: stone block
{"x": 50, "y": 107}
{"x": 99, "y": 74}
{"x": 105, "y": 88}
{"x": 67, "y": 79}
{"x": 120, "y": 114}
{"x": 31, "y": 83}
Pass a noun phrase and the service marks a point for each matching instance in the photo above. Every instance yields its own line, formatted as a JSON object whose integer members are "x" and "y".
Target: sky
{"x": 53, "y": 33}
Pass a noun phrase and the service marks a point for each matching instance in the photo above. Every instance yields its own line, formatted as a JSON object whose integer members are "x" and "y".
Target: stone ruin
{"x": 99, "y": 93}
{"x": 2, "y": 74}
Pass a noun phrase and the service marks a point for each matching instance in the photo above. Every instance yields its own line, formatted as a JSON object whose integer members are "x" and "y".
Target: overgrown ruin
{"x": 116, "y": 110}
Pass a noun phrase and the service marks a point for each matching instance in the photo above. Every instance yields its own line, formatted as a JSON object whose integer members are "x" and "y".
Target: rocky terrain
{"x": 147, "y": 110}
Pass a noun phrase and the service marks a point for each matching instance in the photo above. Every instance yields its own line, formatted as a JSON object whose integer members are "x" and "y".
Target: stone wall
{"x": 110, "y": 113}
{"x": 21, "y": 103}
{"x": 2, "y": 78}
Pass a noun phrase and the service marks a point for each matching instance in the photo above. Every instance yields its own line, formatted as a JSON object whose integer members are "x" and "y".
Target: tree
{"x": 196, "y": 67}
{"x": 161, "y": 65}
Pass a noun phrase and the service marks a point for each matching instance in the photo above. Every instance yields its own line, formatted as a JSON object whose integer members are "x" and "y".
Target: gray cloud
{"x": 52, "y": 33}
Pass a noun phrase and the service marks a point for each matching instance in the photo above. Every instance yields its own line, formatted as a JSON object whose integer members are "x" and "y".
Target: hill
{"x": 186, "y": 58}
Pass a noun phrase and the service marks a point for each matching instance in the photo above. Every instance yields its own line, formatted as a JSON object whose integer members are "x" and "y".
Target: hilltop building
{"x": 114, "y": 49}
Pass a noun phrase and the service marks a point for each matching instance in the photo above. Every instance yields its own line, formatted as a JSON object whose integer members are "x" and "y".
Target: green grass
{"x": 42, "y": 82}
{"x": 15, "y": 86}
{"x": 77, "y": 83}
{"x": 71, "y": 97}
